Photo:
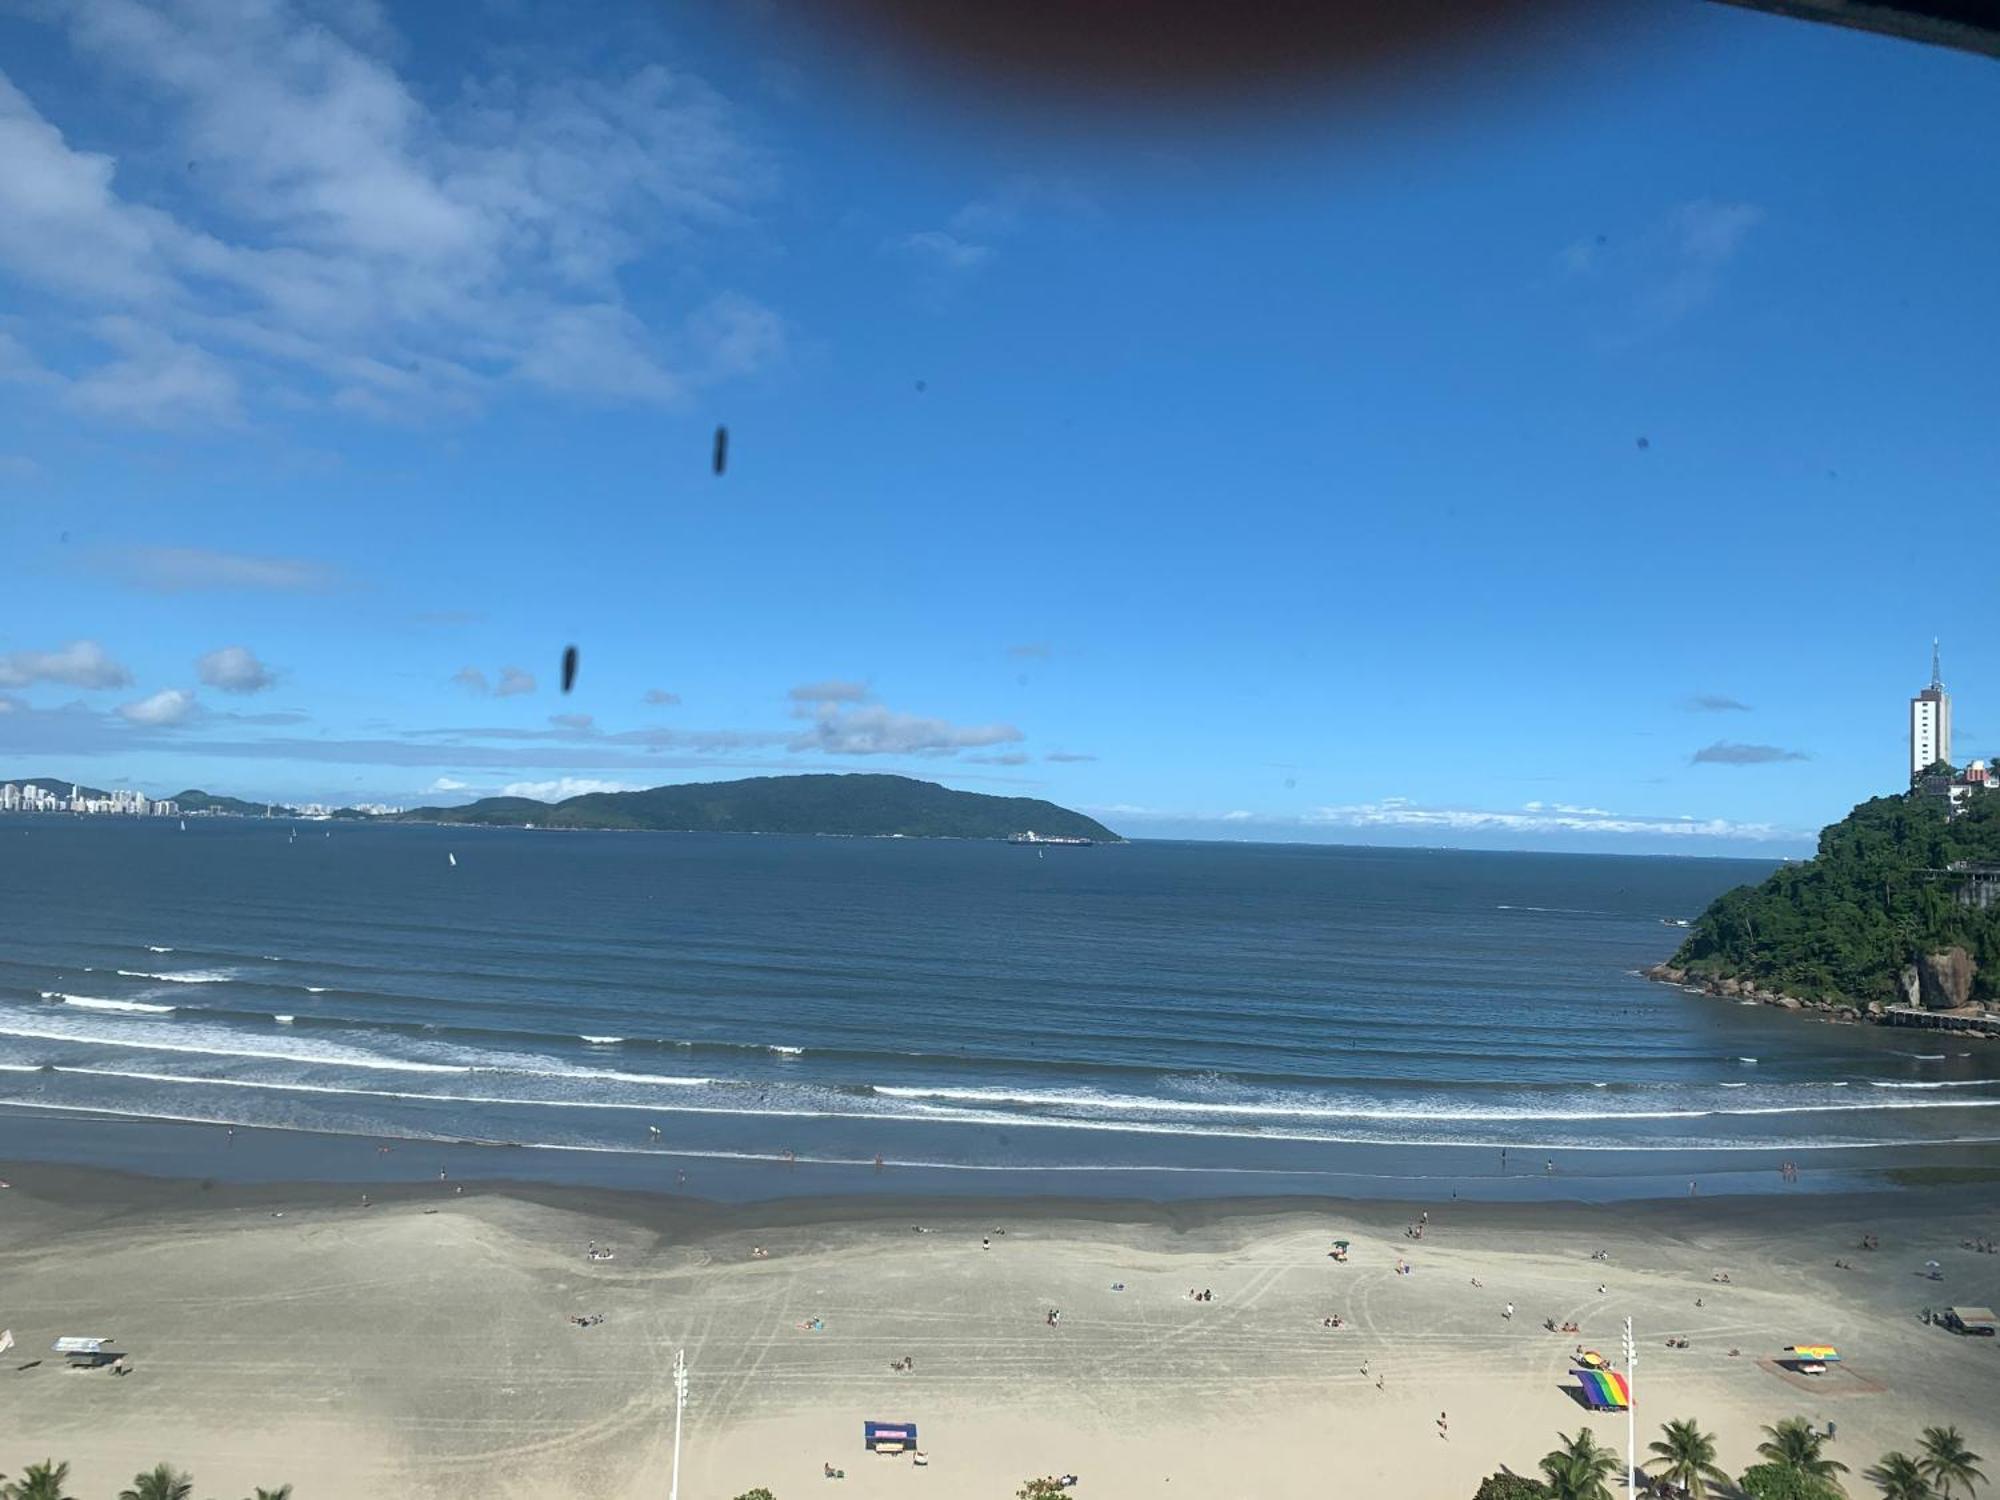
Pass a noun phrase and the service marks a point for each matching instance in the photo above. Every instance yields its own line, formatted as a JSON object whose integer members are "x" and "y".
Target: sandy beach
{"x": 424, "y": 1345}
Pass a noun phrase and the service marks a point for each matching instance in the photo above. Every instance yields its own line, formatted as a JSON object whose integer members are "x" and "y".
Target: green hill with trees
{"x": 1880, "y": 896}
{"x": 854, "y": 805}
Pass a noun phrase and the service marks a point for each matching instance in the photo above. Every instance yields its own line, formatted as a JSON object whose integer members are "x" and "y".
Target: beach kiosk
{"x": 889, "y": 1437}
{"x": 1811, "y": 1359}
{"x": 1603, "y": 1390}
{"x": 1978, "y": 1321}
{"x": 85, "y": 1353}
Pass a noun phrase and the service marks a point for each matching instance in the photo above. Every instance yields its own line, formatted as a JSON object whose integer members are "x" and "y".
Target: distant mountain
{"x": 855, "y": 805}
{"x": 54, "y": 786}
{"x": 208, "y": 802}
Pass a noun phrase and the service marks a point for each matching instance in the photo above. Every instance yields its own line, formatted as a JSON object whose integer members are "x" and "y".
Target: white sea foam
{"x": 601, "y": 1041}
{"x": 786, "y": 1051}
{"x": 284, "y": 1020}
{"x": 189, "y": 976}
{"x": 157, "y": 948}
{"x": 316, "y": 989}
{"x": 91, "y": 1002}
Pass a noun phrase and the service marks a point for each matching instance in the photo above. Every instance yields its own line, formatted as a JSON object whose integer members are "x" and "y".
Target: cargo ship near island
{"x": 1032, "y": 837}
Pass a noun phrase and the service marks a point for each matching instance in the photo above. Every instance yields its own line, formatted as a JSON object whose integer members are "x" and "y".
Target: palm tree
{"x": 282, "y": 1492}
{"x": 1900, "y": 1478}
{"x": 1577, "y": 1470}
{"x": 1794, "y": 1444}
{"x": 1948, "y": 1462}
{"x": 161, "y": 1482}
{"x": 1685, "y": 1455}
{"x": 42, "y": 1481}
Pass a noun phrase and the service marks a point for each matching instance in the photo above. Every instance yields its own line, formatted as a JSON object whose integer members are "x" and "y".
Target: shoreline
{"x": 1831, "y": 1012}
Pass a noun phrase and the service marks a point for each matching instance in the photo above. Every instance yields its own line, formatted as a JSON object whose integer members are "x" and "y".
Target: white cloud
{"x": 661, "y": 698}
{"x": 83, "y": 664}
{"x": 167, "y": 706}
{"x": 581, "y": 723}
{"x": 472, "y": 680}
{"x": 235, "y": 669}
{"x": 564, "y": 786}
{"x": 157, "y": 381}
{"x": 447, "y": 784}
{"x": 339, "y": 237}
{"x": 513, "y": 681}
{"x": 184, "y": 570}
{"x": 870, "y": 729}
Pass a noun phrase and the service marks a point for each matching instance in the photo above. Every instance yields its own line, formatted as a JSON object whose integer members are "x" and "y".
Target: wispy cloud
{"x": 1716, "y": 703}
{"x": 472, "y": 680}
{"x": 341, "y": 239}
{"x": 449, "y": 617}
{"x": 833, "y": 690}
{"x": 1032, "y": 651}
{"x": 942, "y": 250}
{"x": 187, "y": 570}
{"x": 1535, "y": 818}
{"x": 513, "y": 682}
{"x": 581, "y": 723}
{"x": 563, "y": 787}
{"x": 870, "y": 729}
{"x": 1657, "y": 276}
{"x": 1067, "y": 757}
{"x": 83, "y": 664}
{"x": 661, "y": 698}
{"x": 235, "y": 669}
{"x": 1730, "y": 753}
{"x": 1005, "y": 758}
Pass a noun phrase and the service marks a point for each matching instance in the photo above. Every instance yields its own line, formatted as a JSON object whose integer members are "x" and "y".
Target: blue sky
{"x": 1436, "y": 473}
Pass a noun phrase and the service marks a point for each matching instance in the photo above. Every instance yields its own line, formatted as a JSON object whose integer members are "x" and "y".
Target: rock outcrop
{"x": 1945, "y": 979}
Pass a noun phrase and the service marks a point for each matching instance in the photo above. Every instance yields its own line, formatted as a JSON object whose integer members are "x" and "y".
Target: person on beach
{"x": 1507, "y": 1312}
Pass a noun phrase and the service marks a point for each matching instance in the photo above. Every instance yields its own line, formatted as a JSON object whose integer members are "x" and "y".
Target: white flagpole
{"x": 680, "y": 1400}
{"x": 1631, "y": 1413}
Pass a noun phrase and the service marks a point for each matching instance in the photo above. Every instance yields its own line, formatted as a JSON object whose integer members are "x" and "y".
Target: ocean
{"x": 758, "y": 1015}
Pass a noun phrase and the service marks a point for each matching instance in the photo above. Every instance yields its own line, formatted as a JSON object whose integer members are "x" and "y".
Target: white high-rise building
{"x": 1930, "y": 722}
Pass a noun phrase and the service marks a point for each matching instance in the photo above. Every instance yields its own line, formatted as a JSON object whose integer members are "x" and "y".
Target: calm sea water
{"x": 1257, "y": 1010}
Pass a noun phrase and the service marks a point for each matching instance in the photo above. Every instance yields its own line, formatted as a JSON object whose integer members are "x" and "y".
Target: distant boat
{"x": 184, "y": 825}
{"x": 453, "y": 858}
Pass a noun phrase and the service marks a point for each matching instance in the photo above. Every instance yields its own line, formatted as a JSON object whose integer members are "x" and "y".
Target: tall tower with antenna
{"x": 1930, "y": 721}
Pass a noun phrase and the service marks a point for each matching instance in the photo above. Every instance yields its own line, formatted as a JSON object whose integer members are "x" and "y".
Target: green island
{"x": 854, "y": 805}
{"x": 1900, "y": 908}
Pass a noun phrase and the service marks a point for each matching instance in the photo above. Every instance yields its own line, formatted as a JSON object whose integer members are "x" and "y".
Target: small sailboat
{"x": 453, "y": 858}
{"x": 184, "y": 825}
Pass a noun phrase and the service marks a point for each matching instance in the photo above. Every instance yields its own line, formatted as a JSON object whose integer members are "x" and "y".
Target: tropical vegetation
{"x": 161, "y": 1482}
{"x": 1510, "y": 1486}
{"x": 1684, "y": 1456}
{"x": 1577, "y": 1470}
{"x": 1776, "y": 1482}
{"x": 1900, "y": 1477}
{"x": 45, "y": 1481}
{"x": 1842, "y": 925}
{"x": 1948, "y": 1464}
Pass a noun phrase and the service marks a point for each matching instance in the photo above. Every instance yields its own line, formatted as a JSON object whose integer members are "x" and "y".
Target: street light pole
{"x": 680, "y": 1401}
{"x": 1631, "y": 1412}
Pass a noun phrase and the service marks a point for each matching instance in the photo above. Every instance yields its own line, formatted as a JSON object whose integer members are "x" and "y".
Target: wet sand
{"x": 422, "y": 1346}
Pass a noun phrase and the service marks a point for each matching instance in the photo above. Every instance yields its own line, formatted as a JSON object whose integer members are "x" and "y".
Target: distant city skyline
{"x": 1533, "y": 471}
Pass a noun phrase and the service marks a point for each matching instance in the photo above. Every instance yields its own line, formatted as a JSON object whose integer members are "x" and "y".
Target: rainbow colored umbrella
{"x": 1821, "y": 1354}
{"x": 1605, "y": 1390}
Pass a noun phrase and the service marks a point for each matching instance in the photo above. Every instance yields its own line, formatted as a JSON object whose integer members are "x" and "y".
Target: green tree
{"x": 1505, "y": 1486}
{"x": 1577, "y": 1470}
{"x": 1797, "y": 1445}
{"x": 161, "y": 1482}
{"x": 1046, "y": 1488}
{"x": 760, "y": 1493}
{"x": 42, "y": 1481}
{"x": 282, "y": 1492}
{"x": 1685, "y": 1455}
{"x": 1900, "y": 1477}
{"x": 1773, "y": 1482}
{"x": 1948, "y": 1463}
